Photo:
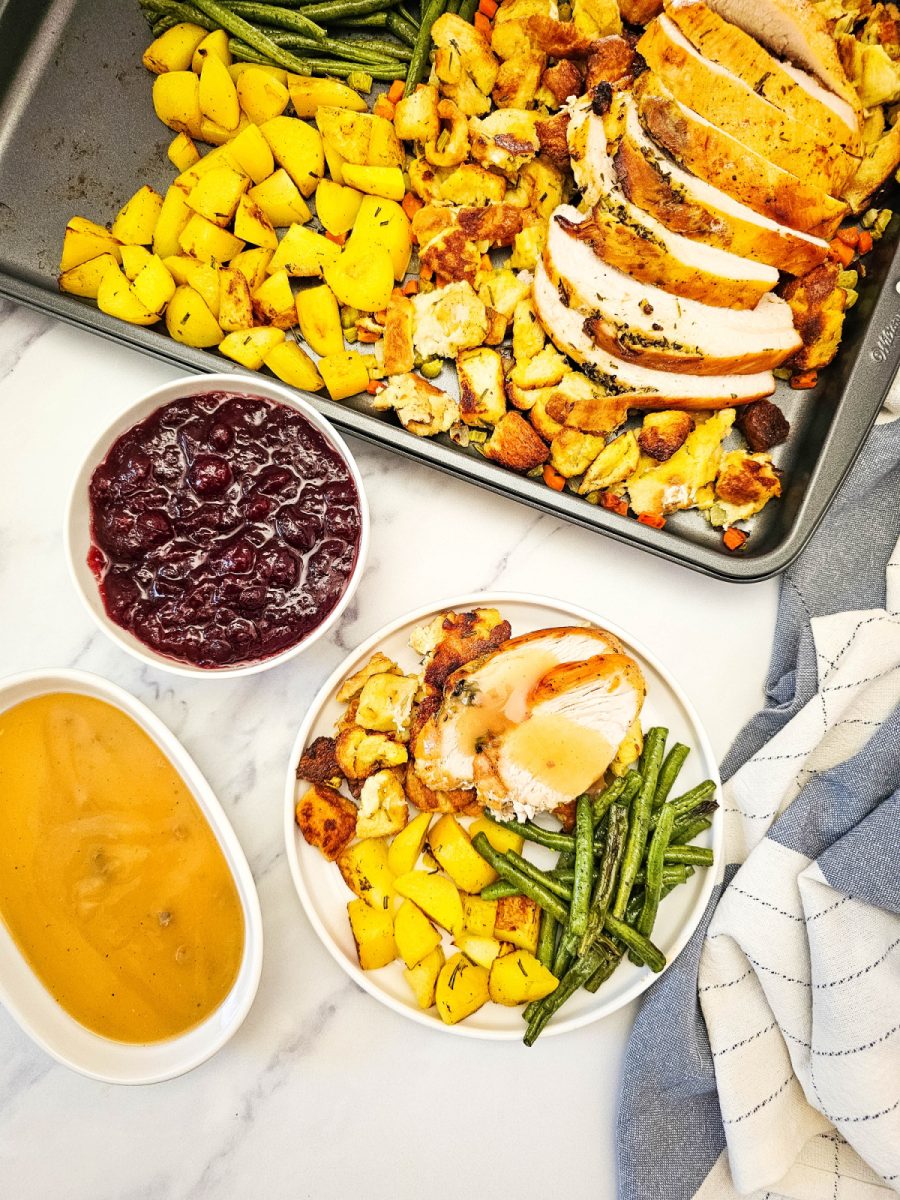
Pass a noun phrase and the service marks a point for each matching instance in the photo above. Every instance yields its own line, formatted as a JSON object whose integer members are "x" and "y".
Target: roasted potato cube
{"x": 436, "y": 895}
{"x": 85, "y": 279}
{"x": 385, "y": 703}
{"x": 190, "y": 321}
{"x": 360, "y": 753}
{"x": 482, "y": 398}
{"x": 518, "y": 978}
{"x": 345, "y": 374}
{"x": 309, "y": 95}
{"x": 452, "y": 848}
{"x": 416, "y": 116}
{"x": 116, "y": 296}
{"x": 235, "y": 303}
{"x": 501, "y": 839}
{"x": 280, "y": 200}
{"x": 515, "y": 444}
{"x": 480, "y": 949}
{"x": 378, "y": 664}
{"x": 383, "y": 223}
{"x": 462, "y": 988}
{"x": 423, "y": 977}
{"x": 216, "y": 195}
{"x": 615, "y": 463}
{"x": 373, "y": 932}
{"x": 360, "y": 138}
{"x": 382, "y": 806}
{"x": 415, "y": 935}
{"x": 252, "y": 225}
{"x": 479, "y": 915}
{"x": 136, "y": 220}
{"x": 364, "y": 868}
{"x": 84, "y": 240}
{"x": 320, "y": 319}
{"x": 176, "y": 101}
{"x": 404, "y": 850}
{"x": 572, "y": 452}
{"x": 261, "y": 96}
{"x": 297, "y": 147}
{"x": 326, "y": 819}
{"x": 218, "y": 95}
{"x": 250, "y": 346}
{"x": 250, "y": 152}
{"x": 273, "y": 301}
{"x": 291, "y": 364}
{"x": 518, "y": 921}
{"x": 174, "y": 49}
{"x": 663, "y": 433}
{"x": 304, "y": 252}
{"x": 337, "y": 206}
{"x": 203, "y": 240}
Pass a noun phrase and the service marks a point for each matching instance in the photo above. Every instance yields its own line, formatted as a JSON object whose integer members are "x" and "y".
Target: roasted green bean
{"x": 641, "y": 808}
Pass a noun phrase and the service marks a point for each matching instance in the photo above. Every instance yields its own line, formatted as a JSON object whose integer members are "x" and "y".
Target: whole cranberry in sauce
{"x": 225, "y": 528}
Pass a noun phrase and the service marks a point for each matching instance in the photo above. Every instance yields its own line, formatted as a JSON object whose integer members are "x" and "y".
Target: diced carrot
{"x": 734, "y": 538}
{"x": 366, "y": 335}
{"x": 652, "y": 520}
{"x": 482, "y": 24}
{"x": 381, "y": 315}
{"x": 842, "y": 252}
{"x": 614, "y": 503}
{"x": 850, "y": 235}
{"x": 383, "y": 107}
{"x": 374, "y": 386}
{"x": 488, "y": 8}
{"x": 553, "y": 479}
{"x": 426, "y": 272}
{"x": 395, "y": 91}
{"x": 803, "y": 380}
{"x": 864, "y": 245}
{"x": 411, "y": 204}
{"x": 410, "y": 288}
{"x": 337, "y": 238}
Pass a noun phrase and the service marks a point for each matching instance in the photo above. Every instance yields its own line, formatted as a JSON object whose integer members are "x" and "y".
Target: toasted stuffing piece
{"x": 615, "y": 463}
{"x": 416, "y": 116}
{"x": 763, "y": 424}
{"x": 503, "y": 290}
{"x": 639, "y": 12}
{"x": 504, "y": 140}
{"x": 515, "y": 444}
{"x": 452, "y": 149}
{"x": 559, "y": 39}
{"x": 448, "y": 320}
{"x": 528, "y": 332}
{"x": 746, "y": 483}
{"x": 456, "y": 639}
{"x": 545, "y": 185}
{"x": 318, "y": 763}
{"x": 451, "y": 255}
{"x": 385, "y": 704}
{"x": 540, "y": 417}
{"x": 360, "y": 753}
{"x": 668, "y": 486}
{"x": 378, "y": 664}
{"x": 593, "y": 414}
{"x": 510, "y": 37}
{"x": 663, "y": 433}
{"x": 817, "y": 304}
{"x": 545, "y": 369}
{"x": 423, "y": 409}
{"x": 383, "y": 810}
{"x": 528, "y": 246}
{"x": 398, "y": 356}
{"x": 630, "y": 750}
{"x": 611, "y": 60}
{"x": 458, "y": 800}
{"x": 425, "y": 180}
{"x": 482, "y": 398}
{"x": 564, "y": 79}
{"x": 552, "y": 136}
{"x": 493, "y": 225}
{"x": 572, "y": 452}
{"x": 518, "y": 80}
{"x": 326, "y": 819}
{"x": 496, "y": 330}
{"x": 471, "y": 184}
{"x": 597, "y": 18}
{"x": 464, "y": 63}
{"x": 880, "y": 161}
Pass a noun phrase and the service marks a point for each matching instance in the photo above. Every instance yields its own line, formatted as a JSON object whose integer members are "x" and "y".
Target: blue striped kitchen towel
{"x": 766, "y": 1061}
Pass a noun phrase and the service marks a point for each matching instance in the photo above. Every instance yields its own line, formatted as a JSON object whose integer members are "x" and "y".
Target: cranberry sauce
{"x": 225, "y": 528}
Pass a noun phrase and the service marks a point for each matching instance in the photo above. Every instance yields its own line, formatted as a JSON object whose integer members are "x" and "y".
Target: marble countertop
{"x": 323, "y": 1093}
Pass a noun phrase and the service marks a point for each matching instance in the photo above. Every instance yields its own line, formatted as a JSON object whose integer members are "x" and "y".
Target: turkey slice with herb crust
{"x": 577, "y": 716}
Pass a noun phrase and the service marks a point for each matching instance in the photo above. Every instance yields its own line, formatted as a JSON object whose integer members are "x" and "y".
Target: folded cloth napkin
{"x": 766, "y": 1061}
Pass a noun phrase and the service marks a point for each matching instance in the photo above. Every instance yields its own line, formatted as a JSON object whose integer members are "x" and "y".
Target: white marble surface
{"x": 323, "y": 1093}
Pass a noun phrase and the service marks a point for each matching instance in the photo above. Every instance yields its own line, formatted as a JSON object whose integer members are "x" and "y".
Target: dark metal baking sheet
{"x": 77, "y": 137}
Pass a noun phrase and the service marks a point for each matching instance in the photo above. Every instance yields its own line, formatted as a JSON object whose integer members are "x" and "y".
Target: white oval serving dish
{"x": 324, "y": 894}
{"x": 77, "y": 523}
{"x": 29, "y": 1002}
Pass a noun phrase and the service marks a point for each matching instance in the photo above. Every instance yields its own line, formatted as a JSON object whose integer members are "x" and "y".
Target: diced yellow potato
{"x": 375, "y": 181}
{"x": 298, "y": 148}
{"x": 176, "y": 101}
{"x": 173, "y": 217}
{"x": 237, "y": 69}
{"x": 308, "y": 95}
{"x": 215, "y": 43}
{"x": 462, "y": 988}
{"x": 217, "y": 194}
{"x": 182, "y": 152}
{"x": 320, "y": 319}
{"x": 294, "y": 366}
{"x": 304, "y": 252}
{"x": 273, "y": 301}
{"x": 423, "y": 977}
{"x": 518, "y": 978}
{"x": 384, "y": 223}
{"x": 364, "y": 868}
{"x": 251, "y": 152}
{"x": 153, "y": 285}
{"x": 360, "y": 138}
{"x": 404, "y": 850}
{"x": 373, "y": 932}
{"x": 385, "y": 703}
{"x": 482, "y": 950}
{"x": 253, "y": 265}
{"x": 84, "y": 240}
{"x": 136, "y": 220}
{"x": 84, "y": 280}
{"x": 235, "y": 304}
{"x": 218, "y": 95}
{"x": 518, "y": 921}
{"x": 479, "y": 915}
{"x": 361, "y": 276}
{"x": 334, "y": 160}
{"x": 250, "y": 346}
{"x": 336, "y": 206}
{"x": 414, "y": 933}
{"x": 178, "y": 266}
{"x": 205, "y": 241}
{"x": 280, "y": 200}
{"x": 345, "y": 374}
{"x": 133, "y": 259}
{"x": 501, "y": 839}
{"x": 217, "y": 135}
{"x": 450, "y": 845}
{"x": 261, "y": 96}
{"x": 174, "y": 49}
{"x": 217, "y": 157}
{"x": 252, "y": 225}
{"x": 115, "y": 296}
{"x": 203, "y": 278}
{"x": 436, "y": 895}
{"x": 190, "y": 321}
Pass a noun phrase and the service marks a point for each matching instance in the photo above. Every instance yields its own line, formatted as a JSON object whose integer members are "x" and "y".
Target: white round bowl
{"x": 324, "y": 894}
{"x": 29, "y": 1002}
{"x": 78, "y": 517}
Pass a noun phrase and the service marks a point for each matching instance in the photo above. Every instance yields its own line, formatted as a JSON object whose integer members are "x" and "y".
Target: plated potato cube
{"x": 373, "y": 932}
{"x": 404, "y": 850}
{"x": 364, "y": 868}
{"x": 452, "y": 848}
{"x": 326, "y": 819}
{"x": 462, "y": 988}
{"x": 518, "y": 978}
{"x": 415, "y": 935}
{"x": 479, "y": 915}
{"x": 481, "y": 950}
{"x": 436, "y": 895}
{"x": 423, "y": 977}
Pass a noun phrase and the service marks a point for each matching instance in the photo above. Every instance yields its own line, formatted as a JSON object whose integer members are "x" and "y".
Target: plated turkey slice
{"x": 490, "y": 695}
{"x": 577, "y": 716}
{"x": 646, "y": 325}
{"x": 647, "y": 389}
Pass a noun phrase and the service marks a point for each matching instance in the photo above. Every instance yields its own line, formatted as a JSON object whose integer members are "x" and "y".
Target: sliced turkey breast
{"x": 688, "y": 205}
{"x": 577, "y": 716}
{"x": 734, "y": 107}
{"x": 791, "y": 90}
{"x": 724, "y": 162}
{"x": 490, "y": 695}
{"x": 644, "y": 324}
{"x": 648, "y": 389}
{"x": 631, "y": 240}
{"x": 794, "y": 30}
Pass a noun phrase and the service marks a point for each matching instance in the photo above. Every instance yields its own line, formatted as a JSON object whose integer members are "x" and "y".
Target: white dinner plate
{"x": 325, "y": 895}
